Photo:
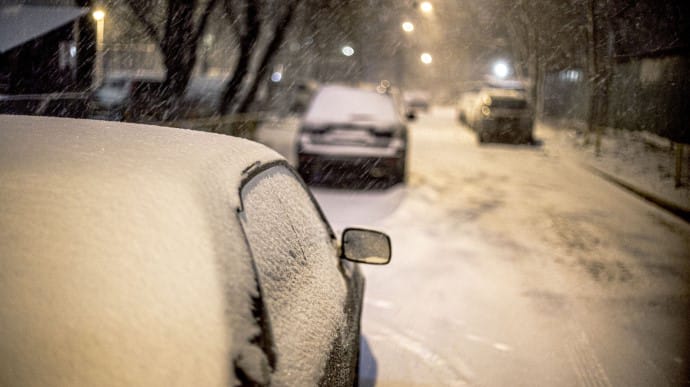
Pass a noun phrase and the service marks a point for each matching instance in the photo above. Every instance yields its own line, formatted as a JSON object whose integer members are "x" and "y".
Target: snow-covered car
{"x": 352, "y": 135}
{"x": 152, "y": 256}
{"x": 123, "y": 97}
{"x": 304, "y": 90}
{"x": 417, "y": 100}
{"x": 465, "y": 104}
{"x": 133, "y": 98}
{"x": 501, "y": 114}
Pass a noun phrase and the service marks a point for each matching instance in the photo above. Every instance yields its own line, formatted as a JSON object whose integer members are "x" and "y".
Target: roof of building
{"x": 22, "y": 23}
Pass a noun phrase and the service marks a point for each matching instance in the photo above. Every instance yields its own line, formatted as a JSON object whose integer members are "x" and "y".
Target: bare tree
{"x": 598, "y": 67}
{"x": 240, "y": 91}
{"x": 248, "y": 32}
{"x": 279, "y": 31}
{"x": 177, "y": 35}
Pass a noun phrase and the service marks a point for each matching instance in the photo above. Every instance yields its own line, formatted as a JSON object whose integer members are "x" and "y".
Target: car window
{"x": 115, "y": 83}
{"x": 298, "y": 270}
{"x": 339, "y": 104}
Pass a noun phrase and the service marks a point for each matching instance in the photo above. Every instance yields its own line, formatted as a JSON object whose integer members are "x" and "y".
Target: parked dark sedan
{"x": 147, "y": 256}
{"x": 352, "y": 136}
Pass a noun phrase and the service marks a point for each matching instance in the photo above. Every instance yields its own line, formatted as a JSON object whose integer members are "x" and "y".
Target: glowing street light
{"x": 99, "y": 17}
{"x": 426, "y": 7}
{"x": 348, "y": 51}
{"x": 276, "y": 77}
{"x": 501, "y": 69}
{"x": 426, "y": 58}
{"x": 408, "y": 26}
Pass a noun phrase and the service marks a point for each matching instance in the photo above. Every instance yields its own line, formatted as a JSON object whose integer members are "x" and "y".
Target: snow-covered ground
{"x": 640, "y": 159}
{"x": 514, "y": 265}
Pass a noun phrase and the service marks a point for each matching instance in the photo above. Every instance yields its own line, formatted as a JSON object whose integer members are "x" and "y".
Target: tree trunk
{"x": 179, "y": 51}
{"x": 592, "y": 73}
{"x": 599, "y": 71}
{"x": 248, "y": 38}
{"x": 268, "y": 55}
{"x": 178, "y": 45}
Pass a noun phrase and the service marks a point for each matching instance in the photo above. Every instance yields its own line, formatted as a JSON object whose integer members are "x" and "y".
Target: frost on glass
{"x": 298, "y": 270}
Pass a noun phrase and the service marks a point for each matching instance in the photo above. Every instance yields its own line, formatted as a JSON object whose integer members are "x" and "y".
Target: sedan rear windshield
{"x": 339, "y": 104}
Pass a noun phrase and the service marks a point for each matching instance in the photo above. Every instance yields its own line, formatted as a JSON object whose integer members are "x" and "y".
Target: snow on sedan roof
{"x": 507, "y": 93}
{"x": 121, "y": 254}
{"x": 335, "y": 104}
{"x": 104, "y": 148}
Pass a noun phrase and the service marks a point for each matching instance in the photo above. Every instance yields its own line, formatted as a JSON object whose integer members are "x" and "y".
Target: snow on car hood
{"x": 336, "y": 104}
{"x": 305, "y": 313}
{"x": 503, "y": 93}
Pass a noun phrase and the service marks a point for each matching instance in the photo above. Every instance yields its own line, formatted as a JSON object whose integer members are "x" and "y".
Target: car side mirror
{"x": 365, "y": 246}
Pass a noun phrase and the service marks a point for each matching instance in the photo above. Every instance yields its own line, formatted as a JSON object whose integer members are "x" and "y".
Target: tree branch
{"x": 248, "y": 36}
{"x": 201, "y": 25}
{"x": 141, "y": 13}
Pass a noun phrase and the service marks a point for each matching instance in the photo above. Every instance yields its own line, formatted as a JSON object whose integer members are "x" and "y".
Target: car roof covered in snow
{"x": 143, "y": 154}
{"x": 337, "y": 104}
{"x": 122, "y": 256}
{"x": 410, "y": 95}
{"x": 503, "y": 93}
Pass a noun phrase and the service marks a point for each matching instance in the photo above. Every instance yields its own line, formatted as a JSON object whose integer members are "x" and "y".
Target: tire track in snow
{"x": 443, "y": 369}
{"x": 587, "y": 367}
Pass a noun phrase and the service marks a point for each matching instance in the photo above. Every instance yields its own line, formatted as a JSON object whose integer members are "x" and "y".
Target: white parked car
{"x": 417, "y": 100}
{"x": 135, "y": 255}
{"x": 113, "y": 99}
{"x": 500, "y": 114}
{"x": 132, "y": 97}
{"x": 352, "y": 136}
{"x": 465, "y": 105}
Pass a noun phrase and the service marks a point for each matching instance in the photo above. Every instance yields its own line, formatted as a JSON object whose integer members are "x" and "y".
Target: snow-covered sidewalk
{"x": 639, "y": 161}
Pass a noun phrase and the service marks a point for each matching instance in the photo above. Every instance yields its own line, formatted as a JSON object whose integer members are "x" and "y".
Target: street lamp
{"x": 348, "y": 51}
{"x": 501, "y": 69}
{"x": 99, "y": 17}
{"x": 426, "y": 7}
{"x": 426, "y": 58}
{"x": 408, "y": 26}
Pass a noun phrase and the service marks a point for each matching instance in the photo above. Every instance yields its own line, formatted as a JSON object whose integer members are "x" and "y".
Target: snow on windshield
{"x": 341, "y": 104}
{"x": 299, "y": 274}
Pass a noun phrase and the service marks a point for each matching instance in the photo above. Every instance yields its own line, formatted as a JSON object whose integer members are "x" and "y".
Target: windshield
{"x": 345, "y": 105}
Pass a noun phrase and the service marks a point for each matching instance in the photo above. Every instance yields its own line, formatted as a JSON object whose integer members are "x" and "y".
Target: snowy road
{"x": 513, "y": 265}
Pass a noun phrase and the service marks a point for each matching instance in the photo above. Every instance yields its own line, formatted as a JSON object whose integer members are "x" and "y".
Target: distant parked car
{"x": 124, "y": 97}
{"x": 151, "y": 256}
{"x": 135, "y": 98}
{"x": 352, "y": 136}
{"x": 108, "y": 100}
{"x": 465, "y": 105}
{"x": 500, "y": 114}
{"x": 304, "y": 91}
{"x": 417, "y": 100}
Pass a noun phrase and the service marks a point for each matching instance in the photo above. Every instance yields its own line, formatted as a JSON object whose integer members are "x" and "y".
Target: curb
{"x": 679, "y": 211}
